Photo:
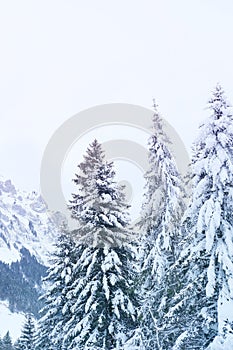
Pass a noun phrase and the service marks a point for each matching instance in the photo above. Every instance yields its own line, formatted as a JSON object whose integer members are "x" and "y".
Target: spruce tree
{"x": 56, "y": 284}
{"x": 161, "y": 216}
{"x": 27, "y": 338}
{"x": 101, "y": 298}
{"x": 93, "y": 158}
{"x": 200, "y": 301}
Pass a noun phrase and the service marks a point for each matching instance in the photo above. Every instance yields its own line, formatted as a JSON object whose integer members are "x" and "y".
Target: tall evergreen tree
{"x": 101, "y": 300}
{"x": 27, "y": 338}
{"x": 162, "y": 211}
{"x": 93, "y": 158}
{"x": 201, "y": 299}
{"x": 57, "y": 281}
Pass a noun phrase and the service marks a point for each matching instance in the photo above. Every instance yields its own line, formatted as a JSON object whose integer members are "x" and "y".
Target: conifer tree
{"x": 7, "y": 342}
{"x": 200, "y": 301}
{"x": 101, "y": 298}
{"x": 27, "y": 338}
{"x": 93, "y": 158}
{"x": 161, "y": 216}
{"x": 50, "y": 327}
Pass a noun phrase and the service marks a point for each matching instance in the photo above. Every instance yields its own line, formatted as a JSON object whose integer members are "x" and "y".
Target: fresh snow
{"x": 10, "y": 321}
{"x": 9, "y": 255}
{"x": 25, "y": 222}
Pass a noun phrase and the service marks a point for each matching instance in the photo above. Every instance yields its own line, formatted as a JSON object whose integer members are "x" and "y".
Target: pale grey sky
{"x": 59, "y": 57}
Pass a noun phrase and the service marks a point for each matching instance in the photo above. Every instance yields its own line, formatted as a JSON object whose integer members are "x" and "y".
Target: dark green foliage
{"x": 103, "y": 303}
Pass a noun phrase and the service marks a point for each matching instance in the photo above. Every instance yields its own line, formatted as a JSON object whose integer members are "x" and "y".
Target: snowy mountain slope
{"x": 25, "y": 222}
{"x": 11, "y": 322}
{"x": 27, "y": 235}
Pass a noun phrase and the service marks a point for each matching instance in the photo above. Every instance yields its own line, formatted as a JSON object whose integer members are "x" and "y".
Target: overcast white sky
{"x": 60, "y": 57}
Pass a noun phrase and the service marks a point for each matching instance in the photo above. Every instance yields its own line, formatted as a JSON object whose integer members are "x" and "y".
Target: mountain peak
{"x": 25, "y": 222}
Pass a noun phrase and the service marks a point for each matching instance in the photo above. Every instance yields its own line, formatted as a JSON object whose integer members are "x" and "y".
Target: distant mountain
{"x": 25, "y": 222}
{"x": 27, "y": 234}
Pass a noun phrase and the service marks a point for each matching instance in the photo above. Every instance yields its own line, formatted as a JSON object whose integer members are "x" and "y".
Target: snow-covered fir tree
{"x": 101, "y": 298}
{"x": 27, "y": 338}
{"x": 99, "y": 206}
{"x": 200, "y": 301}
{"x": 161, "y": 215}
{"x": 57, "y": 283}
{"x": 93, "y": 158}
{"x": 7, "y": 342}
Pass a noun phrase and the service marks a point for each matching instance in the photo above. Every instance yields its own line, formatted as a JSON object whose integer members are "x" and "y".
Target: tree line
{"x": 166, "y": 283}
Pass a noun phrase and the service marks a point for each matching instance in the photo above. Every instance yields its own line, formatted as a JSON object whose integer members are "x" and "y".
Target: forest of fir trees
{"x": 166, "y": 284}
